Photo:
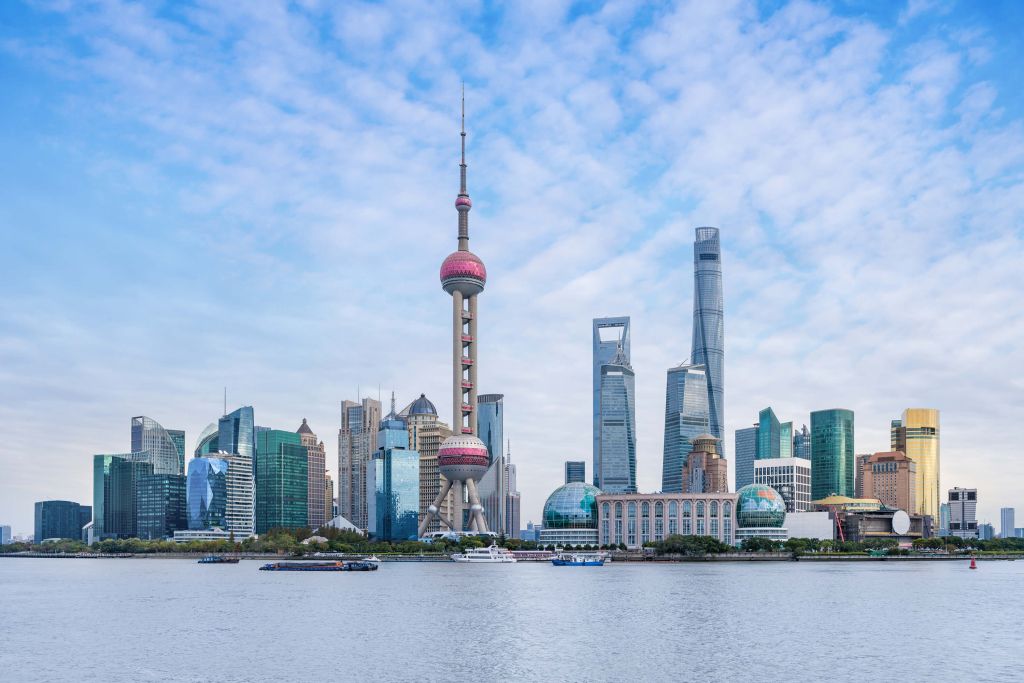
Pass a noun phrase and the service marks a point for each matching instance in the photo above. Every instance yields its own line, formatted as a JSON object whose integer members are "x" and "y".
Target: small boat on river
{"x": 578, "y": 560}
{"x": 218, "y": 559}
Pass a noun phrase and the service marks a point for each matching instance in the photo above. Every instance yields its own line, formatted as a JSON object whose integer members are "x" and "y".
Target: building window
{"x": 632, "y": 510}
{"x": 714, "y": 527}
{"x": 604, "y": 532}
{"x": 700, "y": 508}
{"x": 714, "y": 508}
{"x": 618, "y": 531}
{"x": 700, "y": 525}
{"x": 618, "y": 511}
{"x": 728, "y": 529}
{"x": 645, "y": 529}
{"x": 686, "y": 508}
{"x": 686, "y": 527}
{"x": 659, "y": 529}
{"x": 645, "y": 509}
{"x": 605, "y": 510}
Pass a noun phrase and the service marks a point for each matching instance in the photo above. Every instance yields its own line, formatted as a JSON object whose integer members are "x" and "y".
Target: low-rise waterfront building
{"x": 817, "y": 525}
{"x": 760, "y": 513}
{"x": 215, "y": 534}
{"x": 886, "y": 523}
{"x": 637, "y": 518}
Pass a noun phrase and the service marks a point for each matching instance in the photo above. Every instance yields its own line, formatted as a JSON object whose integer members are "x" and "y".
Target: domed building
{"x": 570, "y": 515}
{"x": 760, "y": 513}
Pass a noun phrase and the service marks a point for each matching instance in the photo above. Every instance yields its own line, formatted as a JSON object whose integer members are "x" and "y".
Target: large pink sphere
{"x": 462, "y": 457}
{"x": 463, "y": 271}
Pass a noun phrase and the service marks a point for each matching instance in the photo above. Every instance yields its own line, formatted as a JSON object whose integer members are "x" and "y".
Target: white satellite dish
{"x": 900, "y": 523}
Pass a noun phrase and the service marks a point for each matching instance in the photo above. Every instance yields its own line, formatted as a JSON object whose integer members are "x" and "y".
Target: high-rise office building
{"x": 791, "y": 479}
{"x": 769, "y": 435}
{"x": 241, "y": 494}
{"x": 282, "y": 481}
{"x": 802, "y": 443}
{"x": 426, "y": 434}
{"x": 1006, "y": 523}
{"x": 166, "y": 447}
{"x": 686, "y": 417}
{"x": 575, "y": 470}
{"x": 746, "y": 454}
{"x": 206, "y": 493}
{"x": 513, "y": 501}
{"x": 160, "y": 504}
{"x": 207, "y": 444}
{"x": 832, "y": 466}
{"x": 705, "y": 471}
{"x": 963, "y": 512}
{"x": 58, "y": 519}
{"x": 328, "y": 496}
{"x": 609, "y": 335}
{"x": 986, "y": 532}
{"x": 917, "y": 435}
{"x": 889, "y": 477}
{"x": 615, "y": 466}
{"x": 858, "y": 473}
{"x": 317, "y": 461}
{"x": 944, "y": 519}
{"x": 708, "y": 347}
{"x": 115, "y": 479}
{"x": 392, "y": 483}
{"x": 236, "y": 432}
{"x": 5, "y": 534}
{"x": 493, "y": 486}
{"x": 357, "y": 442}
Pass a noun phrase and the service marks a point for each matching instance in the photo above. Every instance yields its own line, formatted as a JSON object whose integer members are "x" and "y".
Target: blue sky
{"x": 259, "y": 195}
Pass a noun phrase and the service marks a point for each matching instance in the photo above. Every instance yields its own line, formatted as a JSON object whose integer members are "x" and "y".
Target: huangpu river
{"x": 175, "y": 620}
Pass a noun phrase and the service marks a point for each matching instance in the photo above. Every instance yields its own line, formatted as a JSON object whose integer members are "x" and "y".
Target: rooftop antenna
{"x": 508, "y": 450}
{"x": 393, "y": 403}
{"x": 225, "y": 400}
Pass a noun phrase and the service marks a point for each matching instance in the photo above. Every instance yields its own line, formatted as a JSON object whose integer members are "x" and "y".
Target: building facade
{"x": 609, "y": 334}
{"x": 165, "y": 447}
{"x": 963, "y": 512}
{"x": 858, "y": 469}
{"x": 241, "y": 494}
{"x": 426, "y": 434}
{"x": 357, "y": 442}
{"x": 160, "y": 506}
{"x": 636, "y": 518}
{"x": 393, "y": 484}
{"x": 236, "y": 432}
{"x": 790, "y": 477}
{"x": 575, "y": 470}
{"x": 206, "y": 493}
{"x": 570, "y": 515}
{"x": 1006, "y": 523}
{"x": 832, "y": 466}
{"x": 708, "y": 348}
{"x": 916, "y": 433}
{"x": 615, "y": 464}
{"x": 746, "y": 454}
{"x": 58, "y": 519}
{"x": 282, "y": 481}
{"x": 317, "y": 479}
{"x": 802, "y": 443}
{"x": 5, "y": 534}
{"x": 493, "y": 486}
{"x": 704, "y": 470}
{"x": 891, "y": 478}
{"x": 686, "y": 417}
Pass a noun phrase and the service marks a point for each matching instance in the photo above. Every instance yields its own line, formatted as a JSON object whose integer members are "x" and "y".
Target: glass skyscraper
{"x": 114, "y": 493}
{"x": 159, "y": 505}
{"x": 774, "y": 438}
{"x": 282, "y": 487}
{"x": 393, "y": 484}
{"x": 493, "y": 486}
{"x": 832, "y": 454}
{"x": 802, "y": 443}
{"x": 746, "y": 453}
{"x": 207, "y": 493}
{"x": 207, "y": 442}
{"x": 615, "y": 465}
{"x": 609, "y": 334}
{"x": 708, "y": 347}
{"x": 166, "y": 447}
{"x": 236, "y": 432}
{"x": 686, "y": 417}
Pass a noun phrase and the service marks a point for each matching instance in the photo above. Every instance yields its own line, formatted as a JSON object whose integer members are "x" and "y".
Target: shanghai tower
{"x": 709, "y": 325}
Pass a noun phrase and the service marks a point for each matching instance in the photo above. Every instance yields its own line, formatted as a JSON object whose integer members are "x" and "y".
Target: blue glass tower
{"x": 207, "y": 493}
{"x": 490, "y": 424}
{"x": 708, "y": 323}
{"x": 236, "y": 432}
{"x": 393, "y": 483}
{"x": 686, "y": 417}
{"x": 615, "y": 464}
{"x": 746, "y": 453}
{"x": 802, "y": 443}
{"x": 493, "y": 486}
{"x": 609, "y": 336}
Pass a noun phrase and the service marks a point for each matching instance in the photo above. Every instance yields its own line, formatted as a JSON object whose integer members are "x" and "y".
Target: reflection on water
{"x": 157, "y": 620}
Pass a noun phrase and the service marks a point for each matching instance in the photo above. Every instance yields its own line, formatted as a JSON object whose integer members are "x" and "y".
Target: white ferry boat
{"x": 491, "y": 555}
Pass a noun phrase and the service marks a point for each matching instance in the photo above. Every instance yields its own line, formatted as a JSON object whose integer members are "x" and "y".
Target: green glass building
{"x": 282, "y": 480}
{"x": 832, "y": 459}
{"x": 114, "y": 505}
{"x": 159, "y": 505}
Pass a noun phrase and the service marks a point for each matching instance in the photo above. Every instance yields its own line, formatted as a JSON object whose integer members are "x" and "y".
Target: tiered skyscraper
{"x": 462, "y": 458}
{"x": 357, "y": 442}
{"x": 614, "y": 407}
{"x": 709, "y": 324}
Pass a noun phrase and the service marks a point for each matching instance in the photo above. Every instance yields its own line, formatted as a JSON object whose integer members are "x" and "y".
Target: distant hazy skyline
{"x": 259, "y": 195}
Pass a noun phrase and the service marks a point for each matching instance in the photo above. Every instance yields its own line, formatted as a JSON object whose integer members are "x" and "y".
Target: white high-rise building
{"x": 963, "y": 512}
{"x": 1006, "y": 521}
{"x": 790, "y": 477}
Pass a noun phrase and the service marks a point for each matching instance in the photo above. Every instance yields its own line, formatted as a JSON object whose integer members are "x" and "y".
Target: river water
{"x": 175, "y": 620}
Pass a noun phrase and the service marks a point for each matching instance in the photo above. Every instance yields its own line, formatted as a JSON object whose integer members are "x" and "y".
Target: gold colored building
{"x": 917, "y": 435}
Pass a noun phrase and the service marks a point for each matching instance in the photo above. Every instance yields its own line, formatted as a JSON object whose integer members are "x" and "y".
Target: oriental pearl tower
{"x": 462, "y": 458}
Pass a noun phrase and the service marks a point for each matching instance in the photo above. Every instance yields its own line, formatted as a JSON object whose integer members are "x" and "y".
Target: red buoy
{"x": 974, "y": 565}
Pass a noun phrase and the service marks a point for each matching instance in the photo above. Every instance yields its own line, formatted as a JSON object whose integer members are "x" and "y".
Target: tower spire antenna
{"x": 463, "y": 203}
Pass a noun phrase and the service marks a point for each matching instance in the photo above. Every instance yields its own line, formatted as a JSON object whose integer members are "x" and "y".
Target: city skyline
{"x": 263, "y": 245}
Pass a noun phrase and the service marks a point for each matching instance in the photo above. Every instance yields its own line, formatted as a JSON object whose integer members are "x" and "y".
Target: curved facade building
{"x": 708, "y": 347}
{"x": 207, "y": 493}
{"x": 570, "y": 515}
{"x": 759, "y": 505}
{"x": 207, "y": 442}
{"x": 832, "y": 453}
{"x": 165, "y": 447}
{"x": 236, "y": 432}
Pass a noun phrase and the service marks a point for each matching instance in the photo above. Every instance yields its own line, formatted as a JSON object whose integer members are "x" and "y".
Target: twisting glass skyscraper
{"x": 686, "y": 417}
{"x": 708, "y": 324}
